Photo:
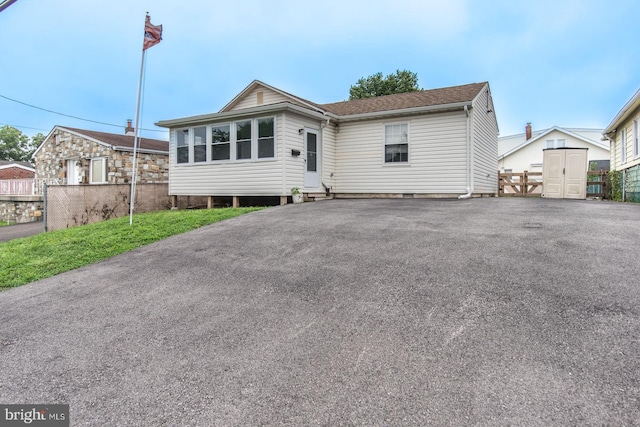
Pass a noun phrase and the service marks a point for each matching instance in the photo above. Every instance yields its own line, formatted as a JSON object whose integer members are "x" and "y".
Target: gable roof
{"x": 410, "y": 102}
{"x": 538, "y": 135}
{"x": 623, "y": 114}
{"x": 115, "y": 141}
{"x": 12, "y": 163}
{"x": 401, "y": 101}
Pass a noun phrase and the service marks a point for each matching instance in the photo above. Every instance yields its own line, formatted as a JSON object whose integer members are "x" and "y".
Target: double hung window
{"x": 220, "y": 142}
{"x": 396, "y": 143}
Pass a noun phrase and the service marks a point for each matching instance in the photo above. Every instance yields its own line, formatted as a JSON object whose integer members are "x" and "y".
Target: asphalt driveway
{"x": 346, "y": 312}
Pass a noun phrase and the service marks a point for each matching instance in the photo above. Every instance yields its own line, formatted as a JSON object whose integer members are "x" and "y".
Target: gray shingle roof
{"x": 123, "y": 140}
{"x": 400, "y": 101}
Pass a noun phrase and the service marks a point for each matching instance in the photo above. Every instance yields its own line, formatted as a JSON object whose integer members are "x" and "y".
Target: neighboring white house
{"x": 524, "y": 152}
{"x": 624, "y": 134}
{"x": 432, "y": 143}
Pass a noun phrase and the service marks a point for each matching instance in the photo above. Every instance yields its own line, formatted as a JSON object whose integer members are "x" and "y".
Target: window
{"x": 200, "y": 144}
{"x": 182, "y": 144}
{"x": 98, "y": 171}
{"x": 623, "y": 145}
{"x": 251, "y": 139}
{"x": 265, "y": 138}
{"x": 636, "y": 147}
{"x": 556, "y": 143}
{"x": 243, "y": 140}
{"x": 220, "y": 142}
{"x": 396, "y": 143}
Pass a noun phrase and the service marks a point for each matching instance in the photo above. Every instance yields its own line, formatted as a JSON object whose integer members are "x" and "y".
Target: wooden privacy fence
{"x": 529, "y": 184}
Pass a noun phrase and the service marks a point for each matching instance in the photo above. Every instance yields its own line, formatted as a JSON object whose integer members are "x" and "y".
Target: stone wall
{"x": 51, "y": 161}
{"x": 21, "y": 209}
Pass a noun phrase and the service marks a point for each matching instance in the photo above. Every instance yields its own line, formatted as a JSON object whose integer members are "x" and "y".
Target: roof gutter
{"x": 246, "y": 112}
{"x": 413, "y": 110}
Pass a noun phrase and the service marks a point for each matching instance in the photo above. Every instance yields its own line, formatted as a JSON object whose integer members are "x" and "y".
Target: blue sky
{"x": 566, "y": 63}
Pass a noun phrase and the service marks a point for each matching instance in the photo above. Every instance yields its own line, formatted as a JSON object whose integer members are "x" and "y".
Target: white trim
{"x": 384, "y": 144}
{"x": 406, "y": 111}
{"x": 240, "y": 114}
{"x": 105, "y": 178}
{"x": 257, "y": 83}
{"x": 624, "y": 113}
{"x": 15, "y": 165}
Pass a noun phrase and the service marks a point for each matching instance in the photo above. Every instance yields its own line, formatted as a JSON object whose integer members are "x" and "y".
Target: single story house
{"x": 624, "y": 134}
{"x": 265, "y": 141}
{"x": 10, "y": 169}
{"x": 524, "y": 151}
{"x": 79, "y": 156}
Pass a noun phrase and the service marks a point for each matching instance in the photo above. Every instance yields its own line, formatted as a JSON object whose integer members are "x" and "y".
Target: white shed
{"x": 564, "y": 173}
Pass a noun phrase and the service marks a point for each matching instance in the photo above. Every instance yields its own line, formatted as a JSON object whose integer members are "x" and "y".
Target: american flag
{"x": 152, "y": 34}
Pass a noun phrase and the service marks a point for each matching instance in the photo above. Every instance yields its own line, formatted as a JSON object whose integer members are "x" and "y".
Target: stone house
{"x": 78, "y": 156}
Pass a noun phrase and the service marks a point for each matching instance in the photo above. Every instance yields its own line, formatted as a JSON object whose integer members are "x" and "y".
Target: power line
{"x": 23, "y": 127}
{"x": 73, "y": 117}
{"x": 6, "y": 3}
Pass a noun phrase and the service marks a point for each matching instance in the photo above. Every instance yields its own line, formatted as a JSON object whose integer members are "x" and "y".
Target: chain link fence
{"x": 72, "y": 205}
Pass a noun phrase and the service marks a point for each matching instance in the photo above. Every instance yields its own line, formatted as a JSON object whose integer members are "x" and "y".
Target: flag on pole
{"x": 152, "y": 34}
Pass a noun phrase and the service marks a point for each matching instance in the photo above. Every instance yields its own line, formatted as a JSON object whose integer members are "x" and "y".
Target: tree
{"x": 376, "y": 85}
{"x": 14, "y": 145}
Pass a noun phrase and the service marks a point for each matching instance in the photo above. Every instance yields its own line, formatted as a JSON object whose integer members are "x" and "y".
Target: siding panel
{"x": 437, "y": 157}
{"x": 485, "y": 144}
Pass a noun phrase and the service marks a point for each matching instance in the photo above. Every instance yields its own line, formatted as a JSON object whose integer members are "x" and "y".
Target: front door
{"x": 312, "y": 159}
{"x": 73, "y": 174}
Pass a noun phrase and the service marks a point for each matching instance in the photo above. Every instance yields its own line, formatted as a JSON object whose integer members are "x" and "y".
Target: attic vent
{"x": 259, "y": 98}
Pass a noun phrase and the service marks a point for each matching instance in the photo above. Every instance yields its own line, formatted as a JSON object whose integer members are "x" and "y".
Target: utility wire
{"x": 24, "y": 127}
{"x": 73, "y": 117}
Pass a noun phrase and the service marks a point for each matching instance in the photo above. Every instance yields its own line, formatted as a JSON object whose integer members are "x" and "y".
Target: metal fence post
{"x": 44, "y": 202}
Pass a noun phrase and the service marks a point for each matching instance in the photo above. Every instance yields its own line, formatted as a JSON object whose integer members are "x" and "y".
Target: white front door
{"x": 311, "y": 159}
{"x": 73, "y": 174}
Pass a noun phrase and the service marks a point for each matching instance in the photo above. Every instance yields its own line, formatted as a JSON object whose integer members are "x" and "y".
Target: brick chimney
{"x": 528, "y": 131}
{"x": 129, "y": 130}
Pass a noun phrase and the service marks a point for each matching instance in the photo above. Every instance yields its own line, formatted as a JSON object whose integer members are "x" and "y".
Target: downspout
{"x": 468, "y": 195}
{"x": 327, "y": 190}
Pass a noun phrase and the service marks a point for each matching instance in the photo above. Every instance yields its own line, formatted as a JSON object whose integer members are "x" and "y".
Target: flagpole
{"x": 135, "y": 142}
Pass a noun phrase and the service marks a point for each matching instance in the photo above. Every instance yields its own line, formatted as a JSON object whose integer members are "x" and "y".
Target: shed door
{"x": 564, "y": 174}
{"x": 312, "y": 159}
{"x": 553, "y": 176}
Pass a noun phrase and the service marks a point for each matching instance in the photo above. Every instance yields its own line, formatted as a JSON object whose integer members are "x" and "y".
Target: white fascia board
{"x": 140, "y": 150}
{"x": 406, "y": 111}
{"x": 256, "y": 83}
{"x": 238, "y": 114}
{"x": 628, "y": 108}
{"x": 15, "y": 165}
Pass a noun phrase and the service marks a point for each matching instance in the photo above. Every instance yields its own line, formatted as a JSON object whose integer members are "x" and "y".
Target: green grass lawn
{"x": 33, "y": 258}
{"x": 3, "y": 223}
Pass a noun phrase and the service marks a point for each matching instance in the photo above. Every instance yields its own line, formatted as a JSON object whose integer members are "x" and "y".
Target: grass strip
{"x": 44, "y": 255}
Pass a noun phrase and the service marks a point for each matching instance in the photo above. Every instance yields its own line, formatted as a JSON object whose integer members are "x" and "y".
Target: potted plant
{"x": 296, "y": 195}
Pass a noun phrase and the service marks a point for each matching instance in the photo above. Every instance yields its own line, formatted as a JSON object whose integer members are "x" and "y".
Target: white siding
{"x": 294, "y": 140}
{"x": 437, "y": 157}
{"x": 616, "y": 155}
{"x": 253, "y": 178}
{"x": 485, "y": 144}
{"x": 251, "y": 99}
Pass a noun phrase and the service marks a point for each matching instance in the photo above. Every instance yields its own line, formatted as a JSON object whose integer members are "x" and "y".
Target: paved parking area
{"x": 17, "y": 231}
{"x": 346, "y": 312}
